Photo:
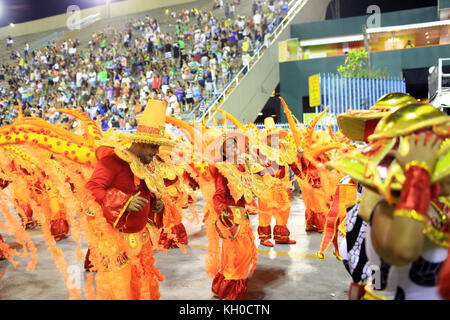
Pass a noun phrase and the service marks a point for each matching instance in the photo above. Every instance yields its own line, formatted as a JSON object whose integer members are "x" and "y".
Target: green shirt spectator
{"x": 181, "y": 43}
{"x": 103, "y": 76}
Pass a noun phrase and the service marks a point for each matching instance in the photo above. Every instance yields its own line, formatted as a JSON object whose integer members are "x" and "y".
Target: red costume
{"x": 275, "y": 200}
{"x": 238, "y": 249}
{"x": 175, "y": 235}
{"x": 113, "y": 185}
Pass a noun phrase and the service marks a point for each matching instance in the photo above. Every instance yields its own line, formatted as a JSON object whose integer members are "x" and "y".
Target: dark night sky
{"x": 17, "y": 11}
{"x": 350, "y": 8}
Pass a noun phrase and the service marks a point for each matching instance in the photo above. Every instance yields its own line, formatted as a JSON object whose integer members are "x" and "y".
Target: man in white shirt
{"x": 257, "y": 19}
{"x": 92, "y": 78}
{"x": 126, "y": 81}
{"x": 79, "y": 78}
{"x": 240, "y": 23}
{"x": 197, "y": 36}
{"x": 203, "y": 38}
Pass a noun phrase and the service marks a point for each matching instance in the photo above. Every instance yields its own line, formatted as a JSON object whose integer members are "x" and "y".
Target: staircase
{"x": 247, "y": 93}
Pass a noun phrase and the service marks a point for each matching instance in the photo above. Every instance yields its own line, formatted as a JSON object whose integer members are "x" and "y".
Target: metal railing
{"x": 342, "y": 93}
{"x": 209, "y": 97}
{"x": 294, "y": 7}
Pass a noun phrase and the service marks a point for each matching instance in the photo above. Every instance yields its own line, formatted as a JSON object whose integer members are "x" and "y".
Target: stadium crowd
{"x": 117, "y": 71}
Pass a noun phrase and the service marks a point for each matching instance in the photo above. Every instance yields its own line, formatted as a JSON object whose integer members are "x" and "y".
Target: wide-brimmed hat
{"x": 358, "y": 124}
{"x": 405, "y": 120}
{"x": 374, "y": 167}
{"x": 151, "y": 126}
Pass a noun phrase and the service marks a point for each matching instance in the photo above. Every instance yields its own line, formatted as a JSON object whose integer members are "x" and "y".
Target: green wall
{"x": 443, "y": 4}
{"x": 294, "y": 75}
{"x": 348, "y": 26}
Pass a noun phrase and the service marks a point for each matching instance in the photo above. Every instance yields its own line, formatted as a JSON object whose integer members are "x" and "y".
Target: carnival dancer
{"x": 235, "y": 186}
{"x": 127, "y": 192}
{"x": 41, "y": 189}
{"x": 172, "y": 232}
{"x": 277, "y": 155}
{"x": 407, "y": 163}
{"x": 317, "y": 185}
{"x": 353, "y": 203}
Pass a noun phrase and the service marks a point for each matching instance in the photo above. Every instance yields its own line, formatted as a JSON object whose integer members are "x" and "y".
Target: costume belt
{"x": 117, "y": 255}
{"x": 240, "y": 216}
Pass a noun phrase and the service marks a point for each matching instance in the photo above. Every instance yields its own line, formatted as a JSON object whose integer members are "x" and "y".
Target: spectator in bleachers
{"x": 121, "y": 67}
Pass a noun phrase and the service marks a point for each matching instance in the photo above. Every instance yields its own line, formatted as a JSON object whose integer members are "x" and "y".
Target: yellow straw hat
{"x": 375, "y": 168}
{"x": 358, "y": 125}
{"x": 151, "y": 127}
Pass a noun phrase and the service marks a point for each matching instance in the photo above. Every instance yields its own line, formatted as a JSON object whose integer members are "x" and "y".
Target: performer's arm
{"x": 101, "y": 180}
{"x": 397, "y": 240}
{"x": 220, "y": 201}
{"x": 220, "y": 195}
{"x": 397, "y": 231}
{"x": 298, "y": 166}
{"x": 114, "y": 202}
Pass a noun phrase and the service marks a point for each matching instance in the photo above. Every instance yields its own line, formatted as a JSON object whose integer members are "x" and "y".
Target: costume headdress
{"x": 376, "y": 169}
{"x": 151, "y": 126}
{"x": 358, "y": 125}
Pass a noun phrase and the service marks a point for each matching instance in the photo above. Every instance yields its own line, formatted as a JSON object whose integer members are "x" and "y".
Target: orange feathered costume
{"x": 238, "y": 248}
{"x": 113, "y": 184}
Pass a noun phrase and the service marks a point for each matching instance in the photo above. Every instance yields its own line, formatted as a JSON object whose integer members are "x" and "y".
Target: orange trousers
{"x": 275, "y": 202}
{"x": 239, "y": 256}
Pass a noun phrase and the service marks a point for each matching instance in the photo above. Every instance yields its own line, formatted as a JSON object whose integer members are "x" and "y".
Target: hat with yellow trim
{"x": 151, "y": 126}
{"x": 403, "y": 121}
{"x": 358, "y": 125}
{"x": 375, "y": 168}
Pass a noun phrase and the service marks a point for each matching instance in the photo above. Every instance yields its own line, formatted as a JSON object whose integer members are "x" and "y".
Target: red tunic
{"x": 113, "y": 184}
{"x": 222, "y": 197}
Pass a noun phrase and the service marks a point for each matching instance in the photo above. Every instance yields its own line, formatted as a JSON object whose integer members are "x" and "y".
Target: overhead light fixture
{"x": 409, "y": 26}
{"x": 331, "y": 40}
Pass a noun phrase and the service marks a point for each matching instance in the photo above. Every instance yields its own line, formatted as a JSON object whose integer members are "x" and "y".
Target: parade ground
{"x": 283, "y": 272}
